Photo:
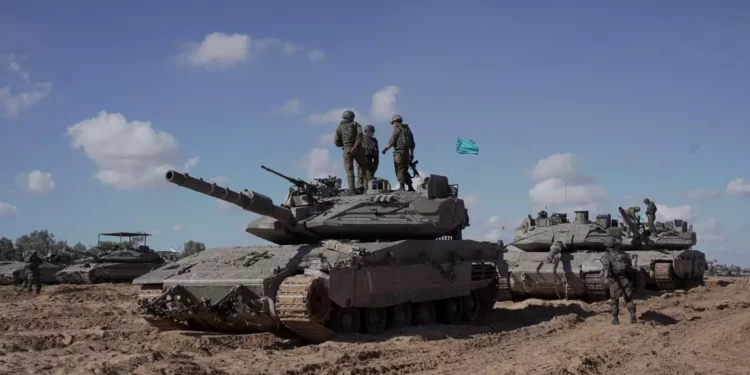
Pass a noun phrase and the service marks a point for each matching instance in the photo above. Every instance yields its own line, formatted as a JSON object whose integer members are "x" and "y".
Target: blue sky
{"x": 646, "y": 100}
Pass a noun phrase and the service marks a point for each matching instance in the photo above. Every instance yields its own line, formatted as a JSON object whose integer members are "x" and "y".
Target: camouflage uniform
{"x": 371, "y": 150}
{"x": 650, "y": 214}
{"x": 349, "y": 136}
{"x": 618, "y": 271}
{"x": 632, "y": 214}
{"x": 32, "y": 276}
{"x": 402, "y": 140}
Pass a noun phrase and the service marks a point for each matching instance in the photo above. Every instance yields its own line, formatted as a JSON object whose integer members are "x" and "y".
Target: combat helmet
{"x": 369, "y": 128}
{"x": 348, "y": 115}
{"x": 646, "y": 201}
{"x": 396, "y": 118}
{"x": 610, "y": 242}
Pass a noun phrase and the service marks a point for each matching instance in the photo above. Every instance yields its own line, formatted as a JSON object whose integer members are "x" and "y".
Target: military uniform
{"x": 402, "y": 140}
{"x": 632, "y": 213}
{"x": 32, "y": 275}
{"x": 372, "y": 154}
{"x": 650, "y": 214}
{"x": 349, "y": 137}
{"x": 618, "y": 271}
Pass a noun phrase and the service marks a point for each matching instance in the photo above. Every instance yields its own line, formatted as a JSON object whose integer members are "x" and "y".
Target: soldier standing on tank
{"x": 349, "y": 137}
{"x": 402, "y": 140}
{"x": 372, "y": 154}
{"x": 618, "y": 271}
{"x": 32, "y": 277}
{"x": 632, "y": 213}
{"x": 650, "y": 214}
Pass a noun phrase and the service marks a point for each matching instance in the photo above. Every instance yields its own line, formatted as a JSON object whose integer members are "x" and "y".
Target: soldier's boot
{"x": 400, "y": 186}
{"x": 615, "y": 308}
{"x": 631, "y": 309}
{"x": 615, "y": 320}
{"x": 411, "y": 188}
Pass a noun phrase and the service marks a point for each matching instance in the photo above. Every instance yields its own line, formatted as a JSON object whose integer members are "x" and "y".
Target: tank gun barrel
{"x": 247, "y": 199}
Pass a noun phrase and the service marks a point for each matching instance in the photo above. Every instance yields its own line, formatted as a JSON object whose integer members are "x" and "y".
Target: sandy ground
{"x": 96, "y": 330}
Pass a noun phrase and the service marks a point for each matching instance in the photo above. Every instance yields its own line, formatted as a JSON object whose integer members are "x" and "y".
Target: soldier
{"x": 403, "y": 155}
{"x": 371, "y": 150}
{"x": 632, "y": 214}
{"x": 618, "y": 269}
{"x": 650, "y": 214}
{"x": 349, "y": 136}
{"x": 32, "y": 274}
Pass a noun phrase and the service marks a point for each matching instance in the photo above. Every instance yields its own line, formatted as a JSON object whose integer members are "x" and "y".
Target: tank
{"x": 121, "y": 263}
{"x": 13, "y": 272}
{"x": 664, "y": 258}
{"x": 339, "y": 263}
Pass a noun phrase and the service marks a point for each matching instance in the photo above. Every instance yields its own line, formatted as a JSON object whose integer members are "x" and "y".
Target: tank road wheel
{"x": 451, "y": 310}
{"x": 664, "y": 276}
{"x": 425, "y": 314}
{"x": 302, "y": 305}
{"x": 472, "y": 306}
{"x": 400, "y": 315}
{"x": 595, "y": 290}
{"x": 347, "y": 320}
{"x": 375, "y": 320}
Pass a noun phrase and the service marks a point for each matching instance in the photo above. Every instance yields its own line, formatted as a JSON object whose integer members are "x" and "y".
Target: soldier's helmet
{"x": 396, "y": 118}
{"x": 348, "y": 115}
{"x": 610, "y": 242}
{"x": 636, "y": 209}
{"x": 369, "y": 128}
{"x": 646, "y": 201}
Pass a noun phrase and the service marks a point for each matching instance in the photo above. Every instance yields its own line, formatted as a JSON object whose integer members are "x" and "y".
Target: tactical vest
{"x": 370, "y": 145}
{"x": 348, "y": 132}
{"x": 621, "y": 263}
{"x": 651, "y": 210}
{"x": 405, "y": 138}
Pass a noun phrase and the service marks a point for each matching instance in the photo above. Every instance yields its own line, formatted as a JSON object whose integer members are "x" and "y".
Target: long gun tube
{"x": 247, "y": 199}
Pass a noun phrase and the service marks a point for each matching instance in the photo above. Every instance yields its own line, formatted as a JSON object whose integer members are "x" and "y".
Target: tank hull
{"x": 317, "y": 291}
{"x": 13, "y": 273}
{"x": 106, "y": 272}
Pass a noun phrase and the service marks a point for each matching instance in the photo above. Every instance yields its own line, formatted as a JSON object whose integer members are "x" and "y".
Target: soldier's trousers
{"x": 651, "y": 219}
{"x": 349, "y": 159}
{"x": 363, "y": 172}
{"x": 401, "y": 165}
{"x": 621, "y": 287}
{"x": 33, "y": 281}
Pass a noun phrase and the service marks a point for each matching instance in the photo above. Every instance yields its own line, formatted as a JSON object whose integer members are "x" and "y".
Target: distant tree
{"x": 7, "y": 250}
{"x": 79, "y": 247}
{"x": 191, "y": 248}
{"x": 41, "y": 241}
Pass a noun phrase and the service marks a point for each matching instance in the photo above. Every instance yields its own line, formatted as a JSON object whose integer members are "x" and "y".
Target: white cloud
{"x": 666, "y": 213}
{"x": 177, "y": 228}
{"x": 326, "y": 139}
{"x": 559, "y": 184}
{"x": 318, "y": 164}
{"x": 37, "y": 181}
{"x": 290, "y": 48}
{"x": 710, "y": 230}
{"x": 331, "y": 117}
{"x": 291, "y": 107}
{"x": 738, "y": 187}
{"x": 384, "y": 103}
{"x": 702, "y": 194}
{"x": 129, "y": 155}
{"x": 470, "y": 200}
{"x": 316, "y": 55}
{"x": 26, "y": 95}
{"x": 219, "y": 50}
{"x": 7, "y": 209}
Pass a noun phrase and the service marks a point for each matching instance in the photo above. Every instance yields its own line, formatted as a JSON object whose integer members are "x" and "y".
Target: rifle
{"x": 413, "y": 166}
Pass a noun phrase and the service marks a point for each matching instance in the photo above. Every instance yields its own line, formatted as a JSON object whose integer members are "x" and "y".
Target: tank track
{"x": 294, "y": 310}
{"x": 595, "y": 289}
{"x": 503, "y": 292}
{"x": 664, "y": 276}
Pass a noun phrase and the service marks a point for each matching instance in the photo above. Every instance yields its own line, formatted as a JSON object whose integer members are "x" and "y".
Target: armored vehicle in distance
{"x": 113, "y": 263}
{"x": 13, "y": 272}
{"x": 341, "y": 263}
{"x": 665, "y": 259}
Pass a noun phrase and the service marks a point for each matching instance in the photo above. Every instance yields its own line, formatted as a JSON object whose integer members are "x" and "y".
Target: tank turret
{"x": 316, "y": 211}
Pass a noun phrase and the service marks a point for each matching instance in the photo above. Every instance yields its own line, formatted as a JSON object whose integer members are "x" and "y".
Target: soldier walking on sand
{"x": 650, "y": 214}
{"x": 349, "y": 137}
{"x": 618, "y": 269}
{"x": 402, "y": 140}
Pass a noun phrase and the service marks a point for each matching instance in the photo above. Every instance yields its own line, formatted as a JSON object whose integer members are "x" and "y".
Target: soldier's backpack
{"x": 370, "y": 145}
{"x": 405, "y": 138}
{"x": 621, "y": 263}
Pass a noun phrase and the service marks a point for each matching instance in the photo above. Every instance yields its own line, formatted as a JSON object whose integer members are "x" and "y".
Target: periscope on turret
{"x": 341, "y": 263}
{"x": 665, "y": 258}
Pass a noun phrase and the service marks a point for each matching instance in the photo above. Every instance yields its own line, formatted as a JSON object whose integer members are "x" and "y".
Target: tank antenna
{"x": 565, "y": 182}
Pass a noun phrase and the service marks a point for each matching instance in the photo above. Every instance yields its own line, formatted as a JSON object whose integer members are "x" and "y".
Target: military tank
{"x": 340, "y": 263}
{"x": 573, "y": 269}
{"x": 13, "y": 272}
{"x": 119, "y": 263}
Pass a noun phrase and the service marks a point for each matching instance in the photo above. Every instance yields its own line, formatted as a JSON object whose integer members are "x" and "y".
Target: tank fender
{"x": 591, "y": 266}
